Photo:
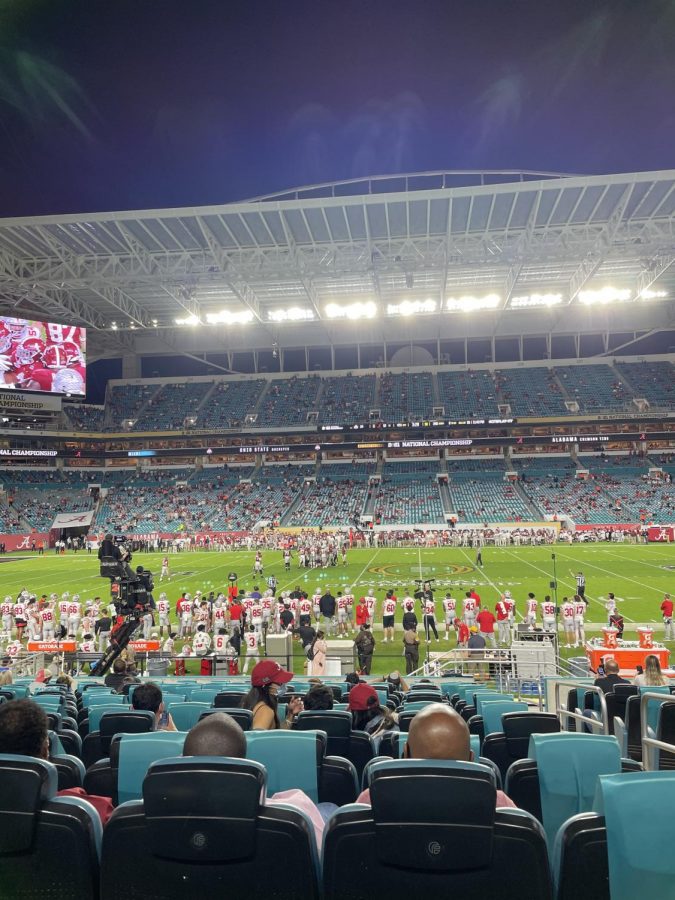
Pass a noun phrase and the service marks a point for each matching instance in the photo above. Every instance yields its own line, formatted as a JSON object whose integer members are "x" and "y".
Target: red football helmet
{"x": 55, "y": 357}
{"x": 29, "y": 350}
{"x": 73, "y": 353}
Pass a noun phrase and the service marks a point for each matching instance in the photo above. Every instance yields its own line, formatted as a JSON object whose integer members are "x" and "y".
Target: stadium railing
{"x": 601, "y": 724}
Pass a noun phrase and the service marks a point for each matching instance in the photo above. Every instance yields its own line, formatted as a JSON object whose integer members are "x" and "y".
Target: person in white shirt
{"x": 74, "y": 615}
{"x": 165, "y": 573}
{"x": 169, "y": 644}
{"x": 531, "y": 606}
{"x": 579, "y": 613}
{"x": 388, "y": 620}
{"x": 252, "y": 643}
{"x": 469, "y": 610}
{"x": 548, "y": 614}
{"x": 164, "y": 612}
{"x": 6, "y": 611}
{"x": 567, "y": 612}
{"x": 449, "y": 613}
{"x": 370, "y": 605}
{"x": 201, "y": 643}
{"x": 48, "y": 623}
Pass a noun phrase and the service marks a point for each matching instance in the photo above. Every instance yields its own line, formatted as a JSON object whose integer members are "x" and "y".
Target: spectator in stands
{"x": 116, "y": 678}
{"x": 365, "y": 645}
{"x": 611, "y": 677}
{"x": 149, "y": 696}
{"x": 399, "y": 684}
{"x": 652, "y": 675}
{"x": 438, "y": 732}
{"x": 319, "y": 697}
{"x": 24, "y": 731}
{"x": 367, "y": 713}
{"x": 220, "y": 735}
{"x": 266, "y": 679}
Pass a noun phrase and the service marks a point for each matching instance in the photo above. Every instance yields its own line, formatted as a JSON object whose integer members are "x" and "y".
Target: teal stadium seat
{"x": 186, "y": 715}
{"x": 137, "y": 752}
{"x": 568, "y": 765}
{"x": 492, "y": 711}
{"x": 289, "y": 757}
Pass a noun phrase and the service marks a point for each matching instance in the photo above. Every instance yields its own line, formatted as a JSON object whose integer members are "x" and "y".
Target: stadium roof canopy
{"x": 430, "y": 255}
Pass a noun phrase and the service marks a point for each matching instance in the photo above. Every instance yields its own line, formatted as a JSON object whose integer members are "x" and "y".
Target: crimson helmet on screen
{"x": 73, "y": 353}
{"x": 55, "y": 357}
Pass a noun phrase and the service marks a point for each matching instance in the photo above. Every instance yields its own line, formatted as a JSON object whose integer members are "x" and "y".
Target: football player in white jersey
{"x": 548, "y": 614}
{"x": 201, "y": 643}
{"x": 567, "y": 612}
{"x": 579, "y": 629}
{"x": 64, "y": 608}
{"x": 370, "y": 602}
{"x": 469, "y": 609}
{"x": 304, "y": 610}
{"x": 20, "y": 614}
{"x": 316, "y": 600}
{"x": 252, "y": 641}
{"x": 74, "y": 615}
{"x": 7, "y": 613}
{"x": 531, "y": 606}
{"x": 449, "y": 613}
{"x": 388, "y": 616}
{"x": 165, "y": 572}
{"x": 48, "y": 617}
{"x": 164, "y": 613}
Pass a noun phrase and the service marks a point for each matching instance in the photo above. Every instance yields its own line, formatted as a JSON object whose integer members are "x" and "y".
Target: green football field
{"x": 639, "y": 574}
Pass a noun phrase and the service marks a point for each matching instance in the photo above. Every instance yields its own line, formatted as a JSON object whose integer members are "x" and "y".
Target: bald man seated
{"x": 219, "y": 735}
{"x": 438, "y": 732}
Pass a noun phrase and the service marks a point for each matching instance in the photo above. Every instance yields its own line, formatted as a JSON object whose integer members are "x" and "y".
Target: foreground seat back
{"x": 203, "y": 823}
{"x": 512, "y": 744}
{"x": 292, "y": 759}
{"x": 568, "y": 765}
{"x": 435, "y": 829}
{"x": 137, "y": 752}
{"x": 244, "y": 717}
{"x": 356, "y": 746}
{"x": 49, "y": 847}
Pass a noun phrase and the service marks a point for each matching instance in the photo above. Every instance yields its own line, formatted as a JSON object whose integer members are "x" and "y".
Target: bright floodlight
{"x": 533, "y": 300}
{"x": 190, "y": 320}
{"x": 411, "y": 307}
{"x": 470, "y": 304}
{"x": 230, "y": 317}
{"x": 294, "y": 314}
{"x": 649, "y": 294}
{"x": 604, "y": 295}
{"x": 352, "y": 310}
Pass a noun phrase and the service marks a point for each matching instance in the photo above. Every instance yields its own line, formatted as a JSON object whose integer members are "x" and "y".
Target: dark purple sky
{"x": 152, "y": 103}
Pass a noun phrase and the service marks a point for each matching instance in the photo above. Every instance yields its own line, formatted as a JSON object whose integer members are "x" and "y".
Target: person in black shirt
{"x": 409, "y": 618}
{"x": 306, "y": 634}
{"x": 327, "y": 609}
{"x": 611, "y": 677}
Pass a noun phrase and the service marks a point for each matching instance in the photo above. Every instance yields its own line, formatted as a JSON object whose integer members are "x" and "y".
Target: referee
{"x": 580, "y": 579}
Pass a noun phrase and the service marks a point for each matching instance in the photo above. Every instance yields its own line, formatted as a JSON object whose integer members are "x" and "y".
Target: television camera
{"x": 131, "y": 592}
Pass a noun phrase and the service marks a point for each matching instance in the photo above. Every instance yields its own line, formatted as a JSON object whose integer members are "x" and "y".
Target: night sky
{"x": 136, "y": 103}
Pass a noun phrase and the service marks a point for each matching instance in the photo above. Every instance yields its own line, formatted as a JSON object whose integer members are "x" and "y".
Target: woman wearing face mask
{"x": 266, "y": 679}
